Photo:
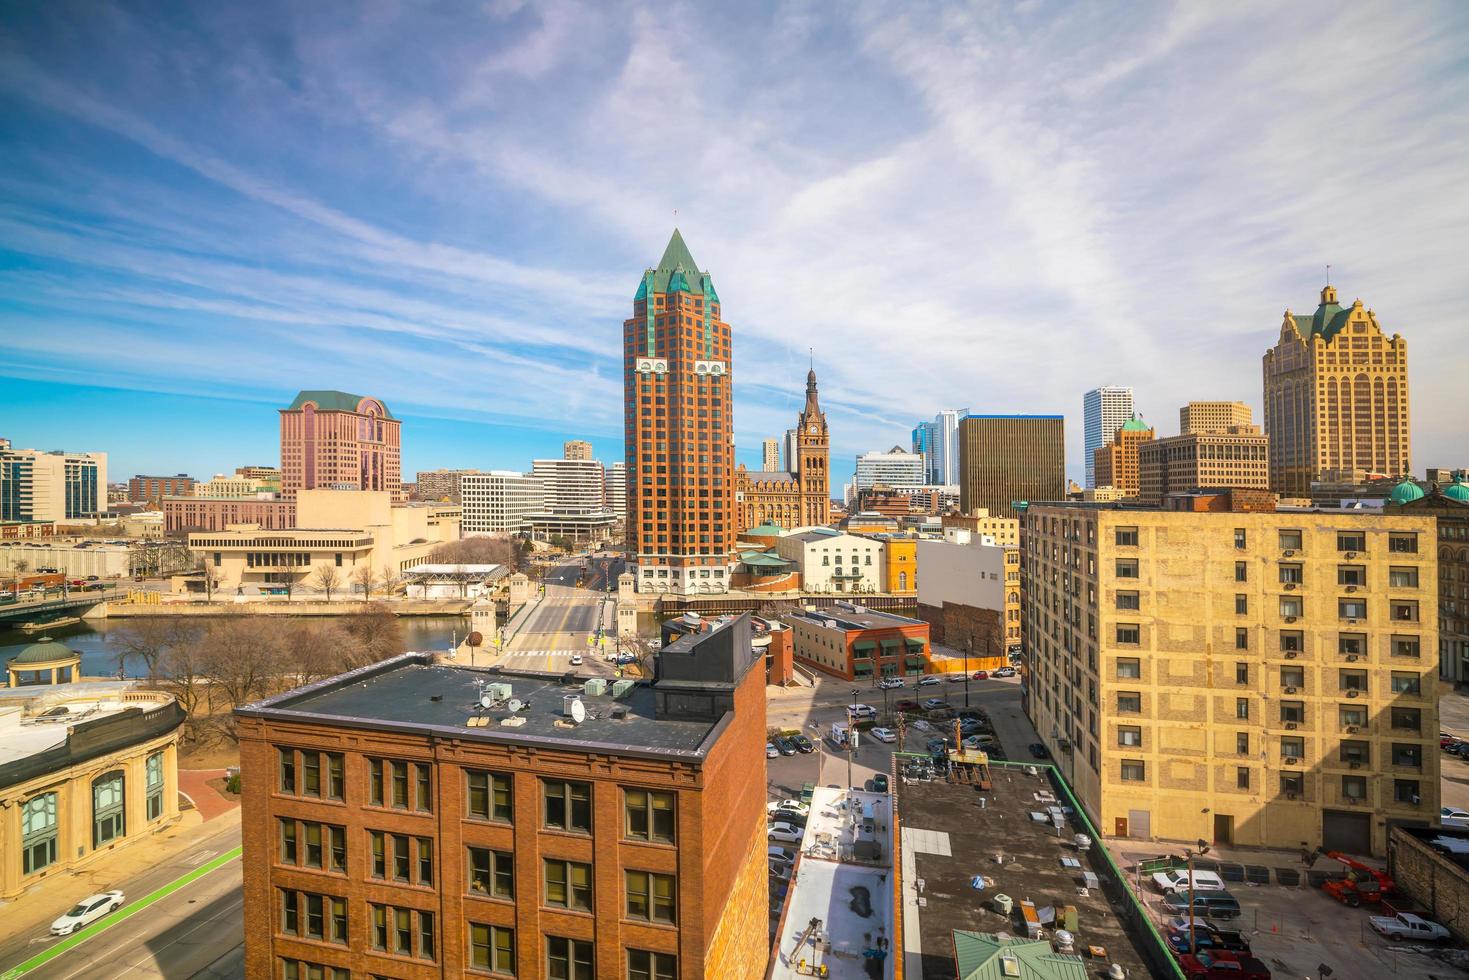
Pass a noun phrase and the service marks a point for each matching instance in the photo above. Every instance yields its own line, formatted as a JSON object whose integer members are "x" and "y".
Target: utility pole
{"x": 851, "y": 739}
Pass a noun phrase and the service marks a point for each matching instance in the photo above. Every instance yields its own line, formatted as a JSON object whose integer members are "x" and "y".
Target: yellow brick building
{"x": 1199, "y": 417}
{"x": 1261, "y": 679}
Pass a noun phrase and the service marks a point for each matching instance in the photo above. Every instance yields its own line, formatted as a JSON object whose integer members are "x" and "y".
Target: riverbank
{"x": 278, "y": 607}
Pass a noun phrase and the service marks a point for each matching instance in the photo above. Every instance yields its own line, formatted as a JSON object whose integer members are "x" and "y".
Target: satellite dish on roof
{"x": 514, "y": 704}
{"x": 578, "y": 712}
{"x": 485, "y": 700}
{"x": 474, "y": 639}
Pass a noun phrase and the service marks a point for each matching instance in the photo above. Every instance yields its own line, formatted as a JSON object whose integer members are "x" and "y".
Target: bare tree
{"x": 390, "y": 580}
{"x": 366, "y": 579}
{"x": 311, "y": 650}
{"x": 327, "y": 579}
{"x": 148, "y": 639}
{"x": 21, "y": 566}
{"x": 211, "y": 577}
{"x": 242, "y": 656}
{"x": 366, "y": 637}
{"x": 478, "y": 551}
{"x": 181, "y": 673}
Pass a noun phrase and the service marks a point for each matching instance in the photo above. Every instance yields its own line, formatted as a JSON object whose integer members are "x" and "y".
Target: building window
{"x": 1354, "y": 576}
{"x": 645, "y": 965}
{"x": 1134, "y": 770}
{"x": 287, "y": 770}
{"x": 300, "y": 772}
{"x": 1405, "y": 791}
{"x": 1241, "y": 673}
{"x": 1291, "y": 575}
{"x": 402, "y": 932}
{"x": 1292, "y": 641}
{"x": 38, "y": 833}
{"x": 1407, "y": 719}
{"x": 1241, "y": 638}
{"x": 1292, "y": 747}
{"x": 1241, "y": 540}
{"x": 1403, "y": 578}
{"x": 1127, "y": 600}
{"x": 490, "y": 795}
{"x": 1129, "y": 667}
{"x": 568, "y": 959}
{"x": 109, "y": 803}
{"x": 1242, "y": 708}
{"x": 1351, "y": 718}
{"x": 1407, "y": 754}
{"x": 1292, "y": 677}
{"x": 1402, "y": 543}
{"x": 312, "y": 845}
{"x": 1290, "y": 608}
{"x": 1127, "y": 568}
{"x": 1241, "y": 571}
{"x": 1292, "y": 712}
{"x": 1128, "y": 633}
{"x": 1127, "y": 537}
{"x": 400, "y": 785}
{"x": 650, "y": 896}
{"x": 1405, "y": 646}
{"x": 312, "y": 916}
{"x": 1351, "y": 541}
{"x": 1292, "y": 784}
{"x": 153, "y": 785}
{"x": 1351, "y": 644}
{"x": 491, "y": 873}
{"x": 304, "y": 970}
{"x": 1290, "y": 540}
{"x": 1403, "y": 683}
{"x": 1130, "y": 736}
{"x": 1354, "y": 788}
{"x": 649, "y": 815}
{"x": 1129, "y": 702}
{"x": 1351, "y": 608}
{"x": 568, "y": 806}
{"x": 1351, "y": 680}
{"x": 1242, "y": 777}
{"x": 1241, "y": 605}
{"x": 1404, "y": 610}
{"x": 1241, "y": 743}
{"x": 568, "y": 885}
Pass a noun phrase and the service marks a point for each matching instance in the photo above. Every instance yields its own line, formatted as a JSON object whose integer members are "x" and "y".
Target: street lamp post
{"x": 968, "y": 649}
{"x": 851, "y": 739}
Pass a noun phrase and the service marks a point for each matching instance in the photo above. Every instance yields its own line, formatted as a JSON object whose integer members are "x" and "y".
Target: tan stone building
{"x": 800, "y": 497}
{"x": 1115, "y": 464}
{"x": 1235, "y": 456}
{"x": 576, "y": 449}
{"x": 1213, "y": 417}
{"x": 1336, "y": 397}
{"x": 1261, "y": 678}
{"x": 86, "y": 766}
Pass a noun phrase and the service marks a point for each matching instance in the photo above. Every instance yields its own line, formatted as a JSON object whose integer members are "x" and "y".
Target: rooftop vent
{"x": 569, "y": 703}
{"x": 619, "y": 713}
{"x": 621, "y": 688}
{"x": 595, "y": 686}
{"x": 498, "y": 691}
{"x": 569, "y": 678}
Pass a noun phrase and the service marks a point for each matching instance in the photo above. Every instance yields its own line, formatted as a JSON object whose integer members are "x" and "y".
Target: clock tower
{"x": 813, "y": 452}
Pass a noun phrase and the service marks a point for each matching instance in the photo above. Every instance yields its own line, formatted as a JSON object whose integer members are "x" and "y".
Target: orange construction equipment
{"x": 1362, "y": 883}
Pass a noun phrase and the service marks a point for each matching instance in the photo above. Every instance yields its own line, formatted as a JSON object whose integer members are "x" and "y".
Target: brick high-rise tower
{"x": 680, "y": 455}
{"x": 339, "y": 441}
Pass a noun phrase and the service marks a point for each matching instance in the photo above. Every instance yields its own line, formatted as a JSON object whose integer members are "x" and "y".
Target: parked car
{"x": 907, "y": 704}
{"x": 921, "y": 726}
{"x": 1214, "y": 905}
{"x": 1404, "y": 925}
{"x": 1006, "y": 672}
{"x": 87, "y": 911}
{"x": 955, "y": 677}
{"x": 786, "y": 833}
{"x": 789, "y": 816}
{"x": 1460, "y": 749}
{"x": 1039, "y": 751}
{"x": 1452, "y": 816}
{"x": 782, "y": 854}
{"x": 795, "y": 805}
{"x": 803, "y": 744}
{"x": 884, "y": 734}
{"x": 861, "y": 711}
{"x": 890, "y": 683}
{"x": 979, "y": 743}
{"x": 1223, "y": 965}
{"x": 1177, "y": 880}
{"x": 880, "y": 783}
{"x": 1209, "y": 940}
{"x": 932, "y": 704}
{"x": 1445, "y": 739}
{"x": 929, "y": 681}
{"x": 981, "y": 675}
{"x": 939, "y": 744}
{"x": 785, "y": 746}
{"x": 779, "y": 869}
{"x": 771, "y": 752}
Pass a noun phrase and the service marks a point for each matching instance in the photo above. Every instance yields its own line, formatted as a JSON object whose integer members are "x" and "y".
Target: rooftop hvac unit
{"x": 595, "y": 686}
{"x": 569, "y": 703}
{"x": 498, "y": 691}
{"x": 621, "y": 688}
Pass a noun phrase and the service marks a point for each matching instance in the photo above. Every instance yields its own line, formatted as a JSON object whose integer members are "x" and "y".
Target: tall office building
{"x": 1236, "y": 673}
{"x": 332, "y": 440}
{"x": 1008, "y": 458}
{"x": 615, "y": 484}
{"x": 498, "y": 502}
{"x": 788, "y": 450}
{"x": 770, "y": 454}
{"x": 677, "y": 371}
{"x": 945, "y": 466}
{"x": 573, "y": 500}
{"x": 1103, "y": 412}
{"x": 415, "y": 819}
{"x": 145, "y": 489}
{"x": 1336, "y": 398}
{"x": 1236, "y": 456}
{"x": 895, "y": 468}
{"x": 51, "y": 486}
{"x": 922, "y": 443}
{"x": 439, "y": 484}
{"x": 576, "y": 449}
{"x": 1117, "y": 461}
{"x": 1213, "y": 417}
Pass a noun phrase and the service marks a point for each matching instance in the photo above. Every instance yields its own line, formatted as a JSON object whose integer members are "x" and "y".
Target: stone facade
{"x": 1236, "y": 457}
{"x": 1431, "y": 878}
{"x": 800, "y": 497}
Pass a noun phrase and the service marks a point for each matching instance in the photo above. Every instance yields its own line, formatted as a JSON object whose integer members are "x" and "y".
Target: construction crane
{"x": 1362, "y": 883}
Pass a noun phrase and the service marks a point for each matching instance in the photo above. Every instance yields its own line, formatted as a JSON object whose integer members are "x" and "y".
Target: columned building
{"x": 677, "y": 371}
{"x": 335, "y": 441}
{"x": 1336, "y": 398}
{"x": 798, "y": 497}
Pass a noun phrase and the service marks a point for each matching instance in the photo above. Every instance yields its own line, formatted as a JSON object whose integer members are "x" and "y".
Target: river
{"x": 96, "y": 640}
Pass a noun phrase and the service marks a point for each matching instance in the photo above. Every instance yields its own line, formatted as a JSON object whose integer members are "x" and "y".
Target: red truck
{"x": 1362, "y": 884}
{"x": 1223, "y": 965}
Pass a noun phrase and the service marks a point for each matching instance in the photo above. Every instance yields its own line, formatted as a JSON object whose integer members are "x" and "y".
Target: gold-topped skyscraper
{"x": 1336, "y": 398}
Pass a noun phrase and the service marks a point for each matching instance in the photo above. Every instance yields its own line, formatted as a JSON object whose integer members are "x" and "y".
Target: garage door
{"x": 1350, "y": 832}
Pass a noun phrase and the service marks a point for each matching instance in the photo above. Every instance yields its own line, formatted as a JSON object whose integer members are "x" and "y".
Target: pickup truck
{"x": 1406, "y": 925}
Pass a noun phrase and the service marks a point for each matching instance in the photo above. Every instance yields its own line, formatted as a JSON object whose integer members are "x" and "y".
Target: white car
{"x": 921, "y": 726}
{"x": 884, "y": 734}
{"x": 1005, "y": 672}
{"x": 929, "y": 681}
{"x": 862, "y": 711}
{"x": 956, "y": 677}
{"x": 979, "y": 743}
{"x": 785, "y": 832}
{"x": 1406, "y": 925}
{"x": 771, "y": 752}
{"x": 890, "y": 683}
{"x": 1177, "y": 880}
{"x": 795, "y": 806}
{"x": 87, "y": 911}
{"x": 575, "y": 660}
{"x": 1452, "y": 816}
{"x": 782, "y": 855}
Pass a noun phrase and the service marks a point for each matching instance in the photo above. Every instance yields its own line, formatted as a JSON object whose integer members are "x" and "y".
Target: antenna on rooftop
{"x": 1328, "y": 273}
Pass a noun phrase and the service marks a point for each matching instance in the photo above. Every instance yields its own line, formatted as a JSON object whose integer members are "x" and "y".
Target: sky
{"x": 993, "y": 206}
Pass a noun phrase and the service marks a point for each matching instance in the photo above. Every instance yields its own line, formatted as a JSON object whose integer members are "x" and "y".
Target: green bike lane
{"x": 160, "y": 903}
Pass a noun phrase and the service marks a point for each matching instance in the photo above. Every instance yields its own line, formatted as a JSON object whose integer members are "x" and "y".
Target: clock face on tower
{"x": 811, "y": 428}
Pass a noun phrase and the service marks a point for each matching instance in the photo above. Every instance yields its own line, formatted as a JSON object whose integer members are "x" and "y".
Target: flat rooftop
{"x": 867, "y": 619}
{"x": 413, "y": 694}
{"x": 37, "y": 717}
{"x": 949, "y": 838}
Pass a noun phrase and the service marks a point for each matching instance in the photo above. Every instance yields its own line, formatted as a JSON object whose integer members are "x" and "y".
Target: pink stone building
{"x": 336, "y": 441}
{"x": 184, "y": 514}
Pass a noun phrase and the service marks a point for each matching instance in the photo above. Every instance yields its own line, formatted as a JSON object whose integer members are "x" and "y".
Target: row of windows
{"x": 1292, "y": 714}
{"x": 39, "y": 818}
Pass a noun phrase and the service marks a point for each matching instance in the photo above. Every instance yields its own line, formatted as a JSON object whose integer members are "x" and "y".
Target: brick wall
{"x": 1431, "y": 880}
{"x": 961, "y": 627}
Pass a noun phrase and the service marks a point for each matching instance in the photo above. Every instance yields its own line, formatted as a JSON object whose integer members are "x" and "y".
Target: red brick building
{"x": 337, "y": 441}
{"x": 677, "y": 370}
{"x": 181, "y": 515}
{"x": 148, "y": 489}
{"x": 403, "y": 821}
{"x": 859, "y": 644}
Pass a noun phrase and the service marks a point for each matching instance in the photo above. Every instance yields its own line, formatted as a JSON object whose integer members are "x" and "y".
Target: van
{"x": 1177, "y": 880}
{"x": 839, "y": 734}
{"x": 1212, "y": 905}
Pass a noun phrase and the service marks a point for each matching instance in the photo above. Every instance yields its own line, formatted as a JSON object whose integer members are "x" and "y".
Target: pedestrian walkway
{"x": 194, "y": 783}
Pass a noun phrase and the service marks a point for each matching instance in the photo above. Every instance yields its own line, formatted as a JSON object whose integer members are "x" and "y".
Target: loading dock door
{"x": 1349, "y": 832}
{"x": 1139, "y": 825}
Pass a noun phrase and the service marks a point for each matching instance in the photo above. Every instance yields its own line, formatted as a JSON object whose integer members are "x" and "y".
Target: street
{"x": 559, "y": 624}
{"x": 169, "y": 928}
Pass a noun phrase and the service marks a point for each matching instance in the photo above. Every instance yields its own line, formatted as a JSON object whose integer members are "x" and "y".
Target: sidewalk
{"x": 33, "y": 910}
{"x": 194, "y": 784}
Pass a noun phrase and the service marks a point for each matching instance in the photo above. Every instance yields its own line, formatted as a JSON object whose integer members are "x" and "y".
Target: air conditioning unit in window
{"x": 1351, "y": 588}
{"x": 1290, "y": 554}
{"x": 1290, "y": 726}
{"x": 1292, "y": 761}
{"x": 1355, "y": 765}
{"x": 1352, "y": 658}
{"x": 1350, "y": 555}
{"x": 1353, "y": 692}
{"x": 1292, "y": 796}
{"x": 1290, "y": 690}
{"x": 1351, "y": 729}
{"x": 1290, "y": 619}
{"x": 1291, "y": 654}
{"x": 1290, "y": 586}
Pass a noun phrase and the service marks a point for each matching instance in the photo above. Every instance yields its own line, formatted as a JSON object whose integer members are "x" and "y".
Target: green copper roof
{"x": 1406, "y": 491}
{"x": 1135, "y": 424}
{"x": 1328, "y": 320}
{"x": 44, "y": 651}
{"x": 762, "y": 559}
{"x": 1458, "y": 490}
{"x": 333, "y": 401}
{"x": 766, "y": 531}
{"x": 677, "y": 272}
{"x": 981, "y": 956}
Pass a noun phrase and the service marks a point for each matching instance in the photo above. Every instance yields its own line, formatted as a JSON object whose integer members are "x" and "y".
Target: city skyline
{"x": 304, "y": 219}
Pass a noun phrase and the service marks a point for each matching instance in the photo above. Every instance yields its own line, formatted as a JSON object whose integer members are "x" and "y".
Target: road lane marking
{"x": 127, "y": 911}
{"x": 237, "y": 906}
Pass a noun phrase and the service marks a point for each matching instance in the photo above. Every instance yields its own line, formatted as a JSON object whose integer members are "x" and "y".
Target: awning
{"x": 915, "y": 642}
{"x": 890, "y": 642}
{"x": 915, "y": 661}
{"x": 864, "y": 646}
{"x": 862, "y": 668}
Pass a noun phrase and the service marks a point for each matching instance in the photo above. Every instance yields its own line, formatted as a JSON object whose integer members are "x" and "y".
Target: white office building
{"x": 570, "y": 485}
{"x": 498, "y": 502}
{"x": 896, "y": 467}
{"x": 51, "y": 486}
{"x": 615, "y": 490}
{"x": 1103, "y": 412}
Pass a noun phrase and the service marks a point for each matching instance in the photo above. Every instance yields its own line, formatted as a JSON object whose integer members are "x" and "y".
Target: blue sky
{"x": 204, "y": 208}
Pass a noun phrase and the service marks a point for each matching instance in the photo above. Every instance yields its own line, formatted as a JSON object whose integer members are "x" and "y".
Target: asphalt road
{"x": 195, "y": 931}
{"x": 559, "y": 625}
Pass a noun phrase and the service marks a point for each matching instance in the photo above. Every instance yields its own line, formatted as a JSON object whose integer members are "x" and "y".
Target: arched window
{"x": 38, "y": 833}
{"x": 902, "y": 581}
{"x": 154, "y": 767}
{"x": 109, "y": 803}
